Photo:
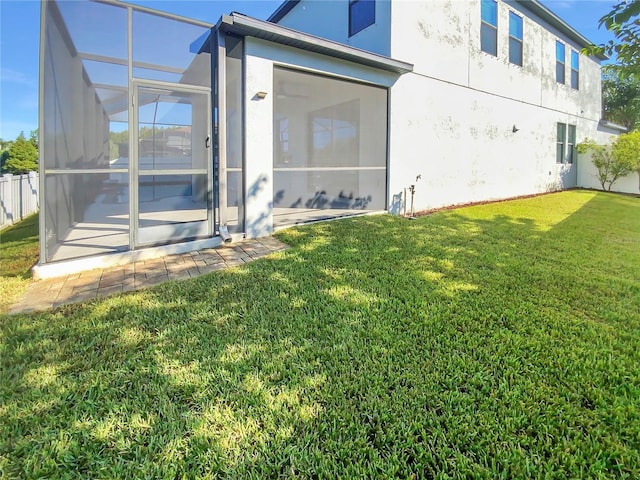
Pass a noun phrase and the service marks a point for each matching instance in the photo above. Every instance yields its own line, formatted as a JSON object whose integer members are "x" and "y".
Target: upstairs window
{"x": 560, "y": 62}
{"x": 362, "y": 13}
{"x": 575, "y": 70}
{"x": 489, "y": 27}
{"x": 515, "y": 39}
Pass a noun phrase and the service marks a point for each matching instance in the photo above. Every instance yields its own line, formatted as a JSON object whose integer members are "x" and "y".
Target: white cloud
{"x": 12, "y": 76}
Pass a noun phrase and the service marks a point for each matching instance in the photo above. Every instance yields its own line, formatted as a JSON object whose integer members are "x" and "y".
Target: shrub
{"x": 627, "y": 151}
{"x": 609, "y": 164}
{"x": 22, "y": 156}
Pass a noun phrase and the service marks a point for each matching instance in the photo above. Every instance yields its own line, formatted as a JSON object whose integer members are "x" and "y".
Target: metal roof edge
{"x": 244, "y": 25}
{"x": 282, "y": 10}
{"x": 614, "y": 126}
{"x": 537, "y": 8}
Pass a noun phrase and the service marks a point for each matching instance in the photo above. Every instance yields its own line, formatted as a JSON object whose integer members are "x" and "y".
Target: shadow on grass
{"x": 494, "y": 340}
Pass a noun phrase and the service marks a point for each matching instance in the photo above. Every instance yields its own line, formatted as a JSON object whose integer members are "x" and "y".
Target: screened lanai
{"x": 161, "y": 131}
{"x": 125, "y": 129}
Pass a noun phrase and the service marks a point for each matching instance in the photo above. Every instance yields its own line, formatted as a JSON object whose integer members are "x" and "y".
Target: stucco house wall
{"x": 452, "y": 118}
{"x": 329, "y": 19}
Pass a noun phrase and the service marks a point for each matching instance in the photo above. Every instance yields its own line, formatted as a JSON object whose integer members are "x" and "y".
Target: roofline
{"x": 243, "y": 25}
{"x": 282, "y": 10}
{"x": 534, "y": 6}
{"x": 537, "y": 8}
{"x": 614, "y": 126}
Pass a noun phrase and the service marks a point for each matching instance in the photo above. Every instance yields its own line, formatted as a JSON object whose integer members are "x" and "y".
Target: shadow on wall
{"x": 262, "y": 225}
{"x": 397, "y": 204}
{"x": 322, "y": 200}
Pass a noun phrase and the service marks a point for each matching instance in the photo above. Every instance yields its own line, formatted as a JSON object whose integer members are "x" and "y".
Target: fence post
{"x": 9, "y": 200}
{"x": 20, "y": 196}
{"x": 34, "y": 187}
{"x": 3, "y": 201}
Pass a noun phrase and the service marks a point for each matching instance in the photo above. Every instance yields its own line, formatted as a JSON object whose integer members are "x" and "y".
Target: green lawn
{"x": 18, "y": 253}
{"x": 496, "y": 341}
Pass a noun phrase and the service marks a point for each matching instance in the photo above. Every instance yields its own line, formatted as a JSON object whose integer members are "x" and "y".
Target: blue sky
{"x": 20, "y": 30}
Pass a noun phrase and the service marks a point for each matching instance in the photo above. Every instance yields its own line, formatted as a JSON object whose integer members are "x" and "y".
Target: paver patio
{"x": 79, "y": 287}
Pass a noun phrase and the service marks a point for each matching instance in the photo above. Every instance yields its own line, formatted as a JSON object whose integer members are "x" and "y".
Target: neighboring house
{"x": 247, "y": 125}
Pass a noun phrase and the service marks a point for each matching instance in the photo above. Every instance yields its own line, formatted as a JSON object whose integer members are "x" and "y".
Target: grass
{"x": 18, "y": 254}
{"x": 496, "y": 341}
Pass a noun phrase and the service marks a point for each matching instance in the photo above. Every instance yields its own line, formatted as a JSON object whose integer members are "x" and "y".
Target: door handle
{"x": 206, "y": 142}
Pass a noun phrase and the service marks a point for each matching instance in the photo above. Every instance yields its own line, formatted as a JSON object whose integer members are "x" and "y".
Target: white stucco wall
{"x": 462, "y": 143}
{"x": 330, "y": 19}
{"x": 452, "y": 118}
{"x": 442, "y": 39}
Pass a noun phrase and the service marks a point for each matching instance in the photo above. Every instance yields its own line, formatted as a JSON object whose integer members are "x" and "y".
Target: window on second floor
{"x": 575, "y": 70}
{"x": 515, "y": 39}
{"x": 560, "y": 62}
{"x": 489, "y": 27}
{"x": 362, "y": 13}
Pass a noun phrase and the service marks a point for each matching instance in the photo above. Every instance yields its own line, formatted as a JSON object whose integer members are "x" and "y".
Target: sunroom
{"x": 162, "y": 134}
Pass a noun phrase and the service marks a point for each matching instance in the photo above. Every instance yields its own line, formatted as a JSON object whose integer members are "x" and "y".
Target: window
{"x": 568, "y": 138}
{"x": 489, "y": 27}
{"x": 562, "y": 134}
{"x": 560, "y": 62}
{"x": 571, "y": 144}
{"x": 362, "y": 13}
{"x": 515, "y": 39}
{"x": 575, "y": 70}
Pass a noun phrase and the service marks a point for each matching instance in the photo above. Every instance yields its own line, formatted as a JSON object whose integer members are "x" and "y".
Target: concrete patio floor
{"x": 80, "y": 287}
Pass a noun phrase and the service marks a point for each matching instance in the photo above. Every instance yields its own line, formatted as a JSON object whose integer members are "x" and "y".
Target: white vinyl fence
{"x": 19, "y": 197}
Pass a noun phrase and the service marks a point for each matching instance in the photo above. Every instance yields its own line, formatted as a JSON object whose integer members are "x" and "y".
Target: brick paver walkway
{"x": 79, "y": 287}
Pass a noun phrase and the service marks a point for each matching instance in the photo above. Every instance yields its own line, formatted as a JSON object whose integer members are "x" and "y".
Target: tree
{"x": 622, "y": 21}
{"x": 5, "y": 144}
{"x": 626, "y": 149}
{"x": 610, "y": 167}
{"x": 621, "y": 99}
{"x": 4, "y": 151}
{"x": 21, "y": 157}
{"x": 33, "y": 138}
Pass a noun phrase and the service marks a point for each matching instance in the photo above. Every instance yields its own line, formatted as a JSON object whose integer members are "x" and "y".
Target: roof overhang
{"x": 239, "y": 24}
{"x": 613, "y": 126}
{"x": 538, "y": 9}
